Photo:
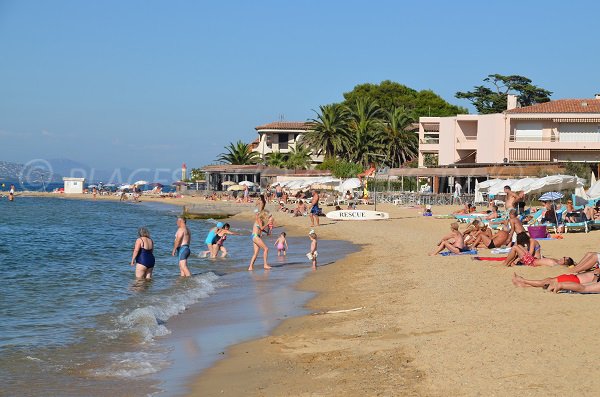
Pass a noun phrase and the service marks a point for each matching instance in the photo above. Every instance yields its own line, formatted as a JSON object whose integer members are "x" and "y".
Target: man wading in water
{"x": 181, "y": 246}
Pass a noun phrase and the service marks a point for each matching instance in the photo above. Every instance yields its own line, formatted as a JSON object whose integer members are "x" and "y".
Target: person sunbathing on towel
{"x": 589, "y": 261}
{"x": 582, "y": 278}
{"x": 500, "y": 239}
{"x": 467, "y": 209}
{"x": 483, "y": 229}
{"x": 493, "y": 214}
{"x": 529, "y": 252}
{"x": 454, "y": 241}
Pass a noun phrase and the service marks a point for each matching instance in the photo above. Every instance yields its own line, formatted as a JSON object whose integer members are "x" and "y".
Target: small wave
{"x": 132, "y": 364}
{"x": 34, "y": 358}
{"x": 149, "y": 321}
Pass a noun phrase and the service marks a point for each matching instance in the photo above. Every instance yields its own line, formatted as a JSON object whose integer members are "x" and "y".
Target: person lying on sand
{"x": 582, "y": 278}
{"x": 454, "y": 241}
{"x": 493, "y": 214}
{"x": 589, "y": 260}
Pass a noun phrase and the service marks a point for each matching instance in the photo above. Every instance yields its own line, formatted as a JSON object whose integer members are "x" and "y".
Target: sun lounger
{"x": 578, "y": 226}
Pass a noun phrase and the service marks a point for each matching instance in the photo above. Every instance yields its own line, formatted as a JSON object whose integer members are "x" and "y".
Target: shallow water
{"x": 74, "y": 322}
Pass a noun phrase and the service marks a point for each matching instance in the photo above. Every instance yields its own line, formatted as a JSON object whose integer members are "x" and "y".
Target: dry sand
{"x": 429, "y": 327}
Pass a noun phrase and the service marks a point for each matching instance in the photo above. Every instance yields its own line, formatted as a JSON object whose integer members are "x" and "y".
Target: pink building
{"x": 555, "y": 131}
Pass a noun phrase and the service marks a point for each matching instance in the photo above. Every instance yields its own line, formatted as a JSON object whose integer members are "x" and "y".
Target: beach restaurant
{"x": 217, "y": 176}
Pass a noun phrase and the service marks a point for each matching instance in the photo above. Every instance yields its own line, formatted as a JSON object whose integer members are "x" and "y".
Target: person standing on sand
{"x": 258, "y": 244}
{"x": 457, "y": 192}
{"x": 143, "y": 255}
{"x": 314, "y": 210}
{"x": 181, "y": 246}
{"x": 11, "y": 193}
{"x": 512, "y": 198}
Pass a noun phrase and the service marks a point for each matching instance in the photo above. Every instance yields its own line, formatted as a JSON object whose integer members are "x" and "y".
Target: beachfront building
{"x": 556, "y": 131}
{"x": 73, "y": 185}
{"x": 218, "y": 175}
{"x": 281, "y": 136}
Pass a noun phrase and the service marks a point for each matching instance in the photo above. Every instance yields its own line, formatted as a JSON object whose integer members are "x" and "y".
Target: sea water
{"x": 74, "y": 322}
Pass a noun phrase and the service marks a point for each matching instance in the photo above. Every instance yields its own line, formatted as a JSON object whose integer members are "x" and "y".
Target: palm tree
{"x": 328, "y": 132}
{"x": 239, "y": 153}
{"x": 299, "y": 157}
{"x": 365, "y": 128}
{"x": 402, "y": 145}
{"x": 277, "y": 159}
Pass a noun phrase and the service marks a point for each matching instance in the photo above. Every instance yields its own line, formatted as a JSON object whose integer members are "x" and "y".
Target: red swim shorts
{"x": 568, "y": 278}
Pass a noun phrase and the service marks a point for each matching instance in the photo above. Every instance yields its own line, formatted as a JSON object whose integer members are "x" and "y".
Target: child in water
{"x": 270, "y": 225}
{"x": 281, "y": 244}
{"x": 312, "y": 255}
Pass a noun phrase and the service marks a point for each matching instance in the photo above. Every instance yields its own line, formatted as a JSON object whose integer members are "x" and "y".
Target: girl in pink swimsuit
{"x": 281, "y": 244}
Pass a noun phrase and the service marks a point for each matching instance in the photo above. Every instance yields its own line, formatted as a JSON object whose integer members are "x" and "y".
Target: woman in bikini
{"x": 258, "y": 244}
{"x": 143, "y": 256}
{"x": 529, "y": 252}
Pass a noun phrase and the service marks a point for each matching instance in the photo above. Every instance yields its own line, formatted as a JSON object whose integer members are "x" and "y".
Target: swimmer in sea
{"x": 181, "y": 246}
{"x": 281, "y": 244}
{"x": 143, "y": 256}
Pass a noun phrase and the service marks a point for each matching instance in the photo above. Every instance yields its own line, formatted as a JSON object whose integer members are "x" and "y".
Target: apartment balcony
{"x": 429, "y": 145}
{"x": 468, "y": 142}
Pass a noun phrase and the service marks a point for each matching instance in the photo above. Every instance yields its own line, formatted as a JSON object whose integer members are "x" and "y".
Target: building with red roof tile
{"x": 556, "y": 131}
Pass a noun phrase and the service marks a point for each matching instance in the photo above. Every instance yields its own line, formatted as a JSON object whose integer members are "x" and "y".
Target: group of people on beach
{"x": 521, "y": 248}
{"x": 143, "y": 251}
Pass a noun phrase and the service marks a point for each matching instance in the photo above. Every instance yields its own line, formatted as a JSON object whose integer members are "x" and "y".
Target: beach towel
{"x": 568, "y": 291}
{"x": 547, "y": 238}
{"x": 500, "y": 251}
{"x": 443, "y": 217}
{"x": 448, "y": 253}
{"x": 490, "y": 258}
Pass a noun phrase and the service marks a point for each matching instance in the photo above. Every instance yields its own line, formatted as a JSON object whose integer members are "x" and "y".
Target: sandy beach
{"x": 428, "y": 325}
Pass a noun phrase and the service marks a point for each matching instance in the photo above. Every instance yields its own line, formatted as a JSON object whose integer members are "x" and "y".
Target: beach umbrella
{"x": 156, "y": 184}
{"x": 140, "y": 183}
{"x": 551, "y": 196}
{"x": 553, "y": 183}
{"x": 124, "y": 187}
{"x": 246, "y": 183}
{"x": 110, "y": 185}
{"x": 178, "y": 183}
{"x": 228, "y": 183}
{"x": 235, "y": 187}
{"x": 349, "y": 184}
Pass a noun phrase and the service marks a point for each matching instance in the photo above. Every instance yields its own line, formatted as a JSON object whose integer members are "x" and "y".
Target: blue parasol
{"x": 551, "y": 196}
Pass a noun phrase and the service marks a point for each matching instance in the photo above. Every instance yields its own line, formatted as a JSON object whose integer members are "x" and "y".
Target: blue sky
{"x": 156, "y": 83}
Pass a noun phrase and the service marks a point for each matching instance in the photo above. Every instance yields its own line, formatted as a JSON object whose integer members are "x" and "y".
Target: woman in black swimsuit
{"x": 143, "y": 256}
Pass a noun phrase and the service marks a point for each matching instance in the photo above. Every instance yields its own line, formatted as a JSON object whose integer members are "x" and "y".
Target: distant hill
{"x": 33, "y": 172}
{"x": 53, "y": 170}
